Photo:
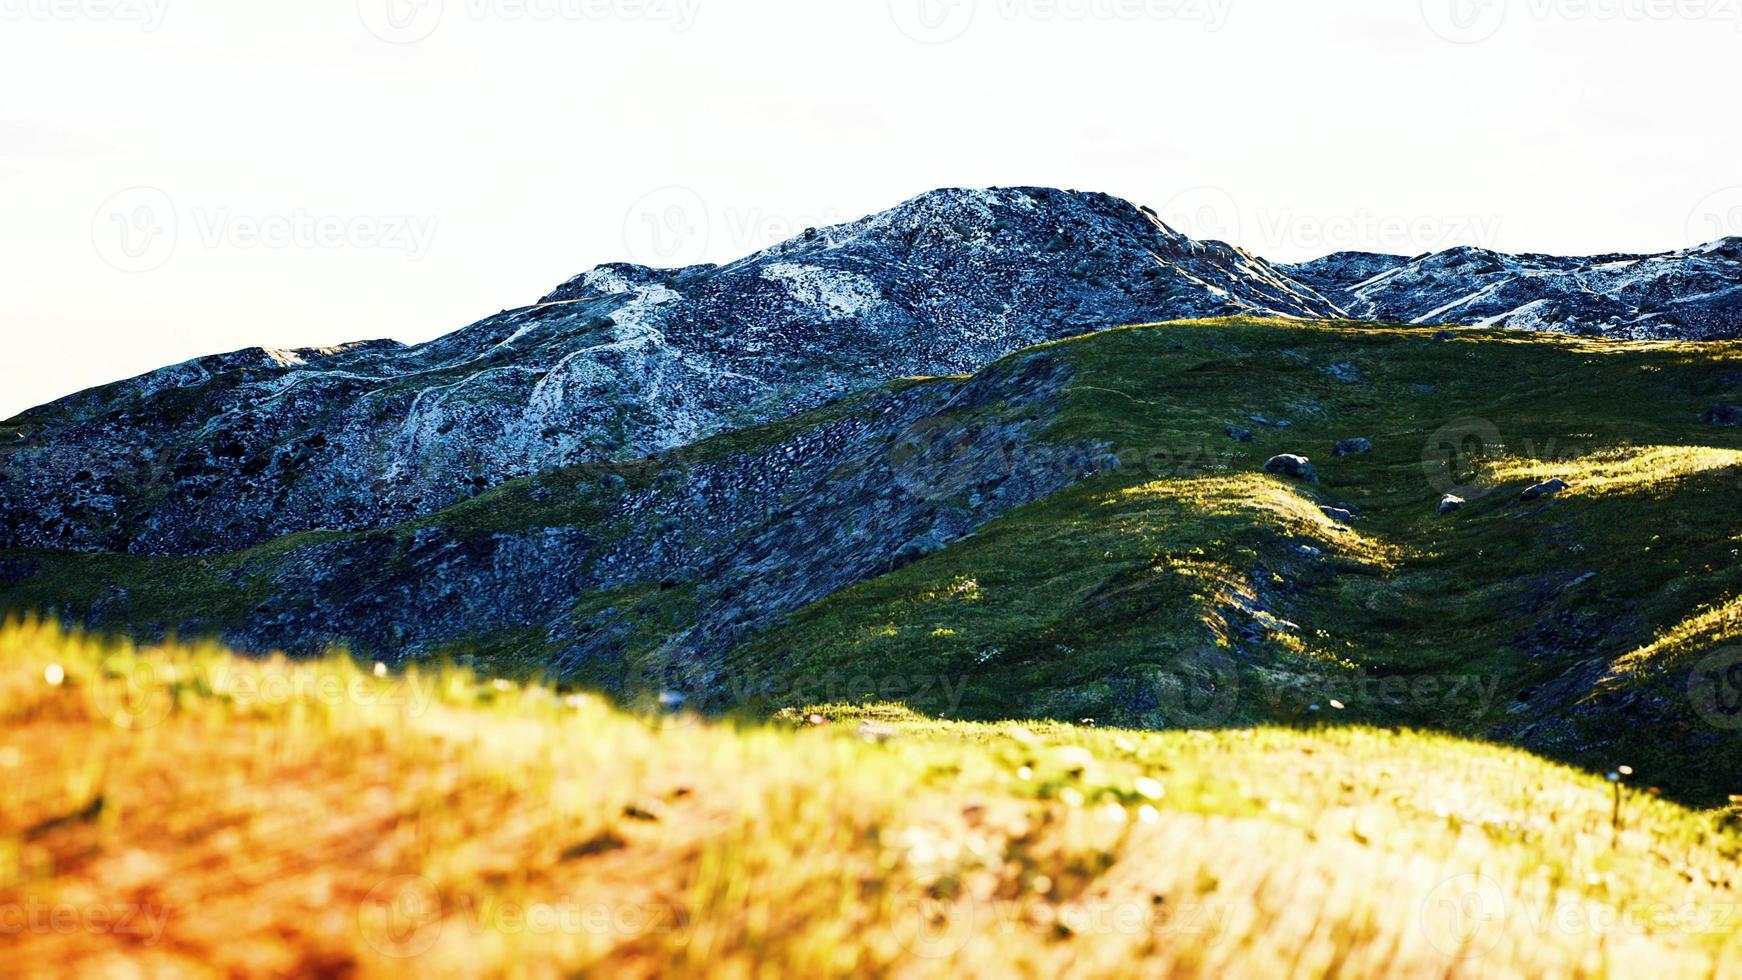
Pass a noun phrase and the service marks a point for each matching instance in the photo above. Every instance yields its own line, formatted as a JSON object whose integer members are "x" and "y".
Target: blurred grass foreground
{"x": 178, "y": 810}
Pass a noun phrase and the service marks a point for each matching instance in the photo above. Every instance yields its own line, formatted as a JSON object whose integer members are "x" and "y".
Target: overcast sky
{"x": 181, "y": 177}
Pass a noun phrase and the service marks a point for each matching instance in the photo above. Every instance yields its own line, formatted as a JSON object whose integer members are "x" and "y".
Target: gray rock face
{"x": 1695, "y": 293}
{"x": 664, "y": 564}
{"x": 620, "y": 363}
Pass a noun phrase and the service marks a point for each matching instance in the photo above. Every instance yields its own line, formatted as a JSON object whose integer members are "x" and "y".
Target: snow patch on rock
{"x": 834, "y": 293}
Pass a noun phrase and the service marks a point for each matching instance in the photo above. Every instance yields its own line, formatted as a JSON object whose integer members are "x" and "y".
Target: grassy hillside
{"x": 178, "y": 808}
{"x": 1189, "y": 587}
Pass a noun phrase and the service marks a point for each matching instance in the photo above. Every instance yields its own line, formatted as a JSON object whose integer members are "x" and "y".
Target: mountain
{"x": 230, "y": 451}
{"x": 940, "y": 450}
{"x": 1092, "y": 528}
{"x": 621, "y": 362}
{"x": 1695, "y": 293}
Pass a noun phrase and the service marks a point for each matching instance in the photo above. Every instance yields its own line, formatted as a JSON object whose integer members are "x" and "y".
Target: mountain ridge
{"x": 621, "y": 362}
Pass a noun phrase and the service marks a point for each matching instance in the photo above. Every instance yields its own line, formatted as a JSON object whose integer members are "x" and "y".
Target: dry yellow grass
{"x": 179, "y": 810}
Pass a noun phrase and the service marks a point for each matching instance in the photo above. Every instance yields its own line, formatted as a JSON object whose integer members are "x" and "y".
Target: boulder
{"x": 1451, "y": 502}
{"x": 1238, "y": 434}
{"x": 1352, "y": 447}
{"x": 1545, "y": 489}
{"x": 1288, "y": 464}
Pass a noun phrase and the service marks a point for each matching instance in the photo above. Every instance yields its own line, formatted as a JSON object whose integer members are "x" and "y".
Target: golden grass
{"x": 177, "y": 809}
{"x": 1272, "y": 502}
{"x": 1693, "y": 636}
{"x": 1625, "y": 470}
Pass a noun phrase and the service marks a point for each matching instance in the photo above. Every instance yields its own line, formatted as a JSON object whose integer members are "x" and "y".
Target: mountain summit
{"x": 618, "y": 363}
{"x": 623, "y": 361}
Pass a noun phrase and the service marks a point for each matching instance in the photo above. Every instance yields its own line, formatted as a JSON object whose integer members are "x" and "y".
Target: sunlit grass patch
{"x": 1260, "y": 497}
{"x": 1631, "y": 469}
{"x": 270, "y": 817}
{"x": 1675, "y": 647}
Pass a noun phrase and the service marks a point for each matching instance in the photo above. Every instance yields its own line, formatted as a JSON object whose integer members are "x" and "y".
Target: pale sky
{"x": 183, "y": 177}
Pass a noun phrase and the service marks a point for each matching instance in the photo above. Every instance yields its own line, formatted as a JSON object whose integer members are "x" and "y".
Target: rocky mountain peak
{"x": 624, "y": 361}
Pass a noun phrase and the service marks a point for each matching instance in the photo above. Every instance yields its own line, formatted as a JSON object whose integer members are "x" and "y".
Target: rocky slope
{"x": 1093, "y": 529}
{"x": 622, "y": 362}
{"x": 589, "y": 571}
{"x": 1695, "y": 293}
{"x": 617, "y": 364}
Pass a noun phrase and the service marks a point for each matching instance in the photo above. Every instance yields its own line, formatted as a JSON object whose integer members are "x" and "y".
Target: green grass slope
{"x": 1191, "y": 587}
